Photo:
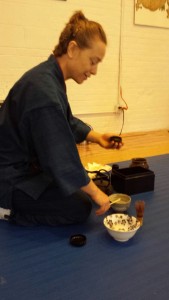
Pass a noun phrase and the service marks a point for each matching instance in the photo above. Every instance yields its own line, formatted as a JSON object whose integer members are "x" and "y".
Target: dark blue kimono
{"x": 38, "y": 136}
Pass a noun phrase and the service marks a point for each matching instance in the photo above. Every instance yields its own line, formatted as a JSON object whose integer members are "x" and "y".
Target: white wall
{"x": 29, "y": 30}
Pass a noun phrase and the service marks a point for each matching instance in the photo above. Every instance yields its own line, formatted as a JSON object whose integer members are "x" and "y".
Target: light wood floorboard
{"x": 141, "y": 144}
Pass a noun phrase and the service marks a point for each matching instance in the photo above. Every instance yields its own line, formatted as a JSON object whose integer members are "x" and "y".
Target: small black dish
{"x": 78, "y": 240}
{"x": 116, "y": 139}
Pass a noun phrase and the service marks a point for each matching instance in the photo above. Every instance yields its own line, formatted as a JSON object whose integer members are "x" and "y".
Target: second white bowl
{"x": 122, "y": 205}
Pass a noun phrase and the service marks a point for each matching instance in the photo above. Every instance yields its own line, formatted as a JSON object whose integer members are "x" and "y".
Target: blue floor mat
{"x": 38, "y": 263}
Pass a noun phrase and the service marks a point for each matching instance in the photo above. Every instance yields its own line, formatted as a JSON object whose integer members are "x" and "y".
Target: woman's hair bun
{"x": 76, "y": 17}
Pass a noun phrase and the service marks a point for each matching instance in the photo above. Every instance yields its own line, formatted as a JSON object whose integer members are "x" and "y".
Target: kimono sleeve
{"x": 56, "y": 148}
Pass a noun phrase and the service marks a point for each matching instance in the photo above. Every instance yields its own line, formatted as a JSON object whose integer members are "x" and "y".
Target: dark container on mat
{"x": 132, "y": 181}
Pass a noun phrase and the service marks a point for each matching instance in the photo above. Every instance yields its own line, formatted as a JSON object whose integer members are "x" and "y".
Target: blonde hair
{"x": 81, "y": 30}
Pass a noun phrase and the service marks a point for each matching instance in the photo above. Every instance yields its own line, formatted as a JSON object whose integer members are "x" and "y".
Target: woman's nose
{"x": 94, "y": 70}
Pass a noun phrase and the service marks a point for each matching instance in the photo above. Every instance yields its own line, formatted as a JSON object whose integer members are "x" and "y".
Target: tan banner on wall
{"x": 152, "y": 13}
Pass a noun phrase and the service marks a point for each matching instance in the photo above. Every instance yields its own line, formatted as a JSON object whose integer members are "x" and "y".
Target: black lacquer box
{"x": 133, "y": 180}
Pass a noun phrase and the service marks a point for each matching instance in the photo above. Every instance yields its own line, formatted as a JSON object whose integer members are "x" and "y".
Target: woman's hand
{"x": 100, "y": 198}
{"x": 104, "y": 140}
{"x": 105, "y": 207}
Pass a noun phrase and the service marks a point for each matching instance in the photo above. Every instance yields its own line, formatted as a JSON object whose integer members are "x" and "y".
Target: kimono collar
{"x": 58, "y": 70}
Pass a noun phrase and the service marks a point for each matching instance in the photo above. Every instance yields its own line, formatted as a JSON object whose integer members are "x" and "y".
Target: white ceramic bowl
{"x": 121, "y": 227}
{"x": 121, "y": 205}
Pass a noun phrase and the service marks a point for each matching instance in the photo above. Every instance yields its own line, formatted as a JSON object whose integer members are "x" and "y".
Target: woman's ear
{"x": 72, "y": 49}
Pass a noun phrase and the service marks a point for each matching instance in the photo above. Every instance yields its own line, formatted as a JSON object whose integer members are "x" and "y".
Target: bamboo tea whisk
{"x": 139, "y": 206}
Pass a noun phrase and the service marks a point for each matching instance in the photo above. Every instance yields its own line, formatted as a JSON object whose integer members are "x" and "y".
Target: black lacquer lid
{"x": 78, "y": 240}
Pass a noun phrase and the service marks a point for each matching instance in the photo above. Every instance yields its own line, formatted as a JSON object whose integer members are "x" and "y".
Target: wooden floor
{"x": 143, "y": 144}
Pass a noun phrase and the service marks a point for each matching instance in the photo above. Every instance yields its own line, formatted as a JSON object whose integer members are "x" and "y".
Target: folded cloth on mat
{"x": 4, "y": 213}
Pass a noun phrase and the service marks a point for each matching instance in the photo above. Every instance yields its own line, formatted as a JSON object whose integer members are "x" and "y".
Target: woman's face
{"x": 84, "y": 62}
